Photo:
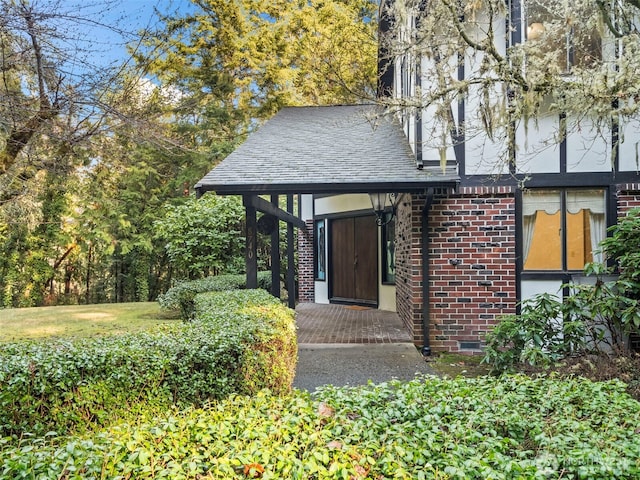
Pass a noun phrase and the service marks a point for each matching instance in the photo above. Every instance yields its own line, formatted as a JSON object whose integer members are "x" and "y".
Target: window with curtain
{"x": 557, "y": 38}
{"x": 561, "y": 229}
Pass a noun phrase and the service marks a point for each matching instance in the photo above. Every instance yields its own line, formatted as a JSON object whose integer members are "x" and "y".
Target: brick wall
{"x": 409, "y": 264}
{"x": 628, "y": 198}
{"x": 472, "y": 271}
{"x": 306, "y": 277}
{"x": 472, "y": 266}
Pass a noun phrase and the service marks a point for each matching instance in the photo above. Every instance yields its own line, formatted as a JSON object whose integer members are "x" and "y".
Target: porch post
{"x": 275, "y": 254}
{"x": 291, "y": 281}
{"x": 251, "y": 246}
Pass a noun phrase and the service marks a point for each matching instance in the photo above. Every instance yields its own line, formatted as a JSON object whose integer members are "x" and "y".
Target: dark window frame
{"x": 388, "y": 234}
{"x": 320, "y": 250}
{"x": 563, "y": 272}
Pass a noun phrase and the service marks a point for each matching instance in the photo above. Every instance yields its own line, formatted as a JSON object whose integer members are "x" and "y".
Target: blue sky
{"x": 111, "y": 24}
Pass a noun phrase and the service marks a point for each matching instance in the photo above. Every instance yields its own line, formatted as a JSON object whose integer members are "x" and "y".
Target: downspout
{"x": 426, "y": 348}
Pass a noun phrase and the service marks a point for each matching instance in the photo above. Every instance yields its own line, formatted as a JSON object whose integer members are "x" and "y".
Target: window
{"x": 556, "y": 38}
{"x": 561, "y": 228}
{"x": 320, "y": 250}
{"x": 389, "y": 249}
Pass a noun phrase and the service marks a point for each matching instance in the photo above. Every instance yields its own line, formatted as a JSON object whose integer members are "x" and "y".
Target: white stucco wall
{"x": 306, "y": 207}
{"x": 342, "y": 203}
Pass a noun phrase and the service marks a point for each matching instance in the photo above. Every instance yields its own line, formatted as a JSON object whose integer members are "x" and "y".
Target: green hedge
{"x": 181, "y": 296}
{"x": 486, "y": 428}
{"x": 67, "y": 386}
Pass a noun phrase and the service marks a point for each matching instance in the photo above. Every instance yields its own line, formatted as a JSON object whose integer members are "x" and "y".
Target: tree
{"x": 204, "y": 236}
{"x": 58, "y": 108}
{"x": 234, "y": 63}
{"x": 514, "y": 87}
{"x": 237, "y": 61}
{"x": 90, "y": 154}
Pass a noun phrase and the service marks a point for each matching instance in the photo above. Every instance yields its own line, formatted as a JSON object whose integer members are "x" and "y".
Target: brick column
{"x": 409, "y": 264}
{"x": 306, "y": 277}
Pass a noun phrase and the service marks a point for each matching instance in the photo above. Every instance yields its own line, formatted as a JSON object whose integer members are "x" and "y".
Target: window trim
{"x": 388, "y": 277}
{"x": 564, "y": 272}
{"x": 320, "y": 256}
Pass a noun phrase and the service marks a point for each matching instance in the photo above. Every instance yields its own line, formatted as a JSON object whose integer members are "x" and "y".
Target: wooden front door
{"x": 354, "y": 265}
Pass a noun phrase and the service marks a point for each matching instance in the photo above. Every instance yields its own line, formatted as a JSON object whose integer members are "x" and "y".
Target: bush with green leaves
{"x": 239, "y": 342}
{"x": 203, "y": 236}
{"x": 623, "y": 246}
{"x": 540, "y": 335}
{"x": 595, "y": 316}
{"x": 181, "y": 296}
{"x": 266, "y": 330}
{"x": 499, "y": 428}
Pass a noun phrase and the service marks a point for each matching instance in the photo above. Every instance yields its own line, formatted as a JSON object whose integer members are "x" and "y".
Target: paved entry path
{"x": 349, "y": 345}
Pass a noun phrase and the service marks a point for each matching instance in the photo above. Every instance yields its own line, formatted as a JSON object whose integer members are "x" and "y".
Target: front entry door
{"x": 354, "y": 265}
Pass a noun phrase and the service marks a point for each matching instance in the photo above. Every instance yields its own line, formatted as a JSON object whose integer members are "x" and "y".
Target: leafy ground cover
{"x": 524, "y": 427}
{"x": 598, "y": 368}
{"x": 17, "y": 324}
{"x": 498, "y": 428}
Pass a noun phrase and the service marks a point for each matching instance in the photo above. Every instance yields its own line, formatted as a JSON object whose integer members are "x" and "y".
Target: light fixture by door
{"x": 381, "y": 201}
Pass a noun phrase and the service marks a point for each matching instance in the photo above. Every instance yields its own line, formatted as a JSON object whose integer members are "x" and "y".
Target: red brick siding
{"x": 472, "y": 269}
{"x": 472, "y": 266}
{"x": 306, "y": 277}
{"x": 628, "y": 198}
{"x": 409, "y": 264}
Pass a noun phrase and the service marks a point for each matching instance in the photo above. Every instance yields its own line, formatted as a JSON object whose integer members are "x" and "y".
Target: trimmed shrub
{"x": 464, "y": 429}
{"x": 181, "y": 296}
{"x": 270, "y": 331}
{"x": 67, "y": 386}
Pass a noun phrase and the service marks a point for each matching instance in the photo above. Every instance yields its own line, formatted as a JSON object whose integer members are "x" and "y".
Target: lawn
{"x": 18, "y": 324}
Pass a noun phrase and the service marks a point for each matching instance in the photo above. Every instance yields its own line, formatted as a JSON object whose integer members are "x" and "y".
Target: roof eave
{"x": 449, "y": 182}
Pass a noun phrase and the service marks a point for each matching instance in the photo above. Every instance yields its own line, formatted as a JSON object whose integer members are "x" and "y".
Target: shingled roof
{"x": 336, "y": 149}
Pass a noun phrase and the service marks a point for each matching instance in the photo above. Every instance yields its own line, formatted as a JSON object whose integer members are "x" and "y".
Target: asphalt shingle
{"x": 323, "y": 150}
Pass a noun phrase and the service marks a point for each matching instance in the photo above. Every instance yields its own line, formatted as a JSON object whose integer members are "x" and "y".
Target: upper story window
{"x": 562, "y": 228}
{"x": 562, "y": 34}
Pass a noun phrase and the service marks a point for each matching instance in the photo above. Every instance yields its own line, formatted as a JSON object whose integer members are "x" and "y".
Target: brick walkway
{"x": 348, "y": 324}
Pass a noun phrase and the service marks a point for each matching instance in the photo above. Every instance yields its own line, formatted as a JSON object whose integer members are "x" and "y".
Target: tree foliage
{"x": 61, "y": 112}
{"x": 203, "y": 236}
{"x": 593, "y": 84}
{"x": 243, "y": 59}
{"x": 91, "y": 153}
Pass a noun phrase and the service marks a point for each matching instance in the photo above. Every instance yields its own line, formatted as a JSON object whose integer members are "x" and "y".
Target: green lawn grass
{"x": 17, "y": 324}
{"x": 453, "y": 365}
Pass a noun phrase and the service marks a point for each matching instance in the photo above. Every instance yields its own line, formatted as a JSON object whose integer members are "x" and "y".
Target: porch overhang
{"x": 325, "y": 150}
{"x": 317, "y": 150}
